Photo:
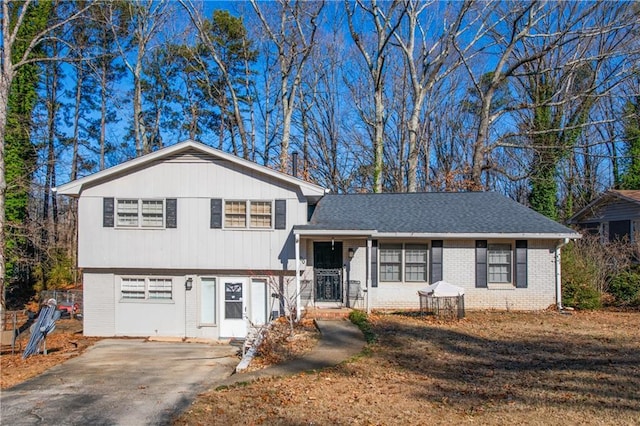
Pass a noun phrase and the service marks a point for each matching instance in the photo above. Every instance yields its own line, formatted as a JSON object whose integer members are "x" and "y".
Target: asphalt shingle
{"x": 433, "y": 212}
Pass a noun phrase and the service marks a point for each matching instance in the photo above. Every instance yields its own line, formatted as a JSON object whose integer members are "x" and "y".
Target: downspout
{"x": 298, "y": 304}
{"x": 563, "y": 243}
{"x": 368, "y": 280}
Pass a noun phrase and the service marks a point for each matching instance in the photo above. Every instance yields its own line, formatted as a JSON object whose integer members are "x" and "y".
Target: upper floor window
{"x": 257, "y": 214}
{"x": 135, "y": 213}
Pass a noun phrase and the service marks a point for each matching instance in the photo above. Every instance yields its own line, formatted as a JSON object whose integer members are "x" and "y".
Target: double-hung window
{"x": 499, "y": 263}
{"x": 403, "y": 262}
{"x": 248, "y": 214}
{"x": 390, "y": 262}
{"x": 133, "y": 213}
{"x": 416, "y": 262}
{"x": 134, "y": 288}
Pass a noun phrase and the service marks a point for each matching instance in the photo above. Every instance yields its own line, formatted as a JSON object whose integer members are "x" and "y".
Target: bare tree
{"x": 385, "y": 24}
{"x": 427, "y": 62}
{"x": 294, "y": 38}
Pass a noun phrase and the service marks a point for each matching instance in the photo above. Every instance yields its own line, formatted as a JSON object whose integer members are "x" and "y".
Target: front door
{"x": 327, "y": 267}
{"x": 233, "y": 322}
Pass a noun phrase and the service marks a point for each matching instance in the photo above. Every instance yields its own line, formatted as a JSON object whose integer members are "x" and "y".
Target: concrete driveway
{"x": 118, "y": 381}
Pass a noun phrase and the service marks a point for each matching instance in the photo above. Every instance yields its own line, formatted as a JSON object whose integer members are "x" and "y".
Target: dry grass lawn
{"x": 490, "y": 368}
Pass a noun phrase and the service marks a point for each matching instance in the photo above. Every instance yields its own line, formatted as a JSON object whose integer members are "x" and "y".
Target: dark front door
{"x": 327, "y": 266}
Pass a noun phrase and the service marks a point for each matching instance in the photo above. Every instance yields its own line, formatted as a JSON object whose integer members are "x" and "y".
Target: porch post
{"x": 298, "y": 304}
{"x": 368, "y": 286}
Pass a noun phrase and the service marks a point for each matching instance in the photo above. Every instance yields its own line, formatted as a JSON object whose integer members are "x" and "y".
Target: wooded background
{"x": 537, "y": 100}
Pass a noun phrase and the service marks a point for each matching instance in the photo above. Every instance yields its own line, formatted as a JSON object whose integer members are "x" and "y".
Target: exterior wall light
{"x": 351, "y": 252}
{"x": 188, "y": 284}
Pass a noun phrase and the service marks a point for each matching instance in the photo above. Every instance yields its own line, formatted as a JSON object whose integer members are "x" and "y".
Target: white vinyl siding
{"x": 391, "y": 262}
{"x": 133, "y": 213}
{"x": 133, "y": 288}
{"x": 415, "y": 262}
{"x": 499, "y": 263}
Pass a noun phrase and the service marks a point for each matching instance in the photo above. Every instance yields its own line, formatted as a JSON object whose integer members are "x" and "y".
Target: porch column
{"x": 368, "y": 280}
{"x": 298, "y": 304}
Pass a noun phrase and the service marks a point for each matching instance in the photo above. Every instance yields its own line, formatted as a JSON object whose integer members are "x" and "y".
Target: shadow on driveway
{"x": 119, "y": 381}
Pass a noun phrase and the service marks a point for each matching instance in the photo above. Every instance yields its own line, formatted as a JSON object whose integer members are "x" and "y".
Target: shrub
{"x": 625, "y": 288}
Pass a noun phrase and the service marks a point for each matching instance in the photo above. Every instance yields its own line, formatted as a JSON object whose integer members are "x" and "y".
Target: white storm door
{"x": 259, "y": 310}
{"x": 233, "y": 322}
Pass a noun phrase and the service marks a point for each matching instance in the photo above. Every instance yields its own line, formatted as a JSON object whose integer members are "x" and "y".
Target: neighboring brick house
{"x": 191, "y": 241}
{"x": 614, "y": 215}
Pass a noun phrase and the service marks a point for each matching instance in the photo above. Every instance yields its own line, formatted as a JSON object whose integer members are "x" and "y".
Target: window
{"x": 390, "y": 262}
{"x": 415, "y": 262}
{"x": 233, "y": 301}
{"x": 499, "y": 263}
{"x": 147, "y": 288}
{"x": 235, "y": 214}
{"x": 133, "y": 213}
{"x": 414, "y": 257}
{"x": 260, "y": 214}
{"x": 128, "y": 213}
{"x": 208, "y": 301}
{"x": 259, "y": 217}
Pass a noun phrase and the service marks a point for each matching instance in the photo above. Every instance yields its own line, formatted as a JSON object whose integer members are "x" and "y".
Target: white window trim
{"x": 140, "y": 223}
{"x": 247, "y": 219}
{"x": 147, "y": 280}
{"x": 511, "y": 282}
{"x": 403, "y": 261}
{"x": 216, "y": 301}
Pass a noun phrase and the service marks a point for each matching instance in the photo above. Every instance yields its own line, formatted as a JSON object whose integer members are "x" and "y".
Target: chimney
{"x": 294, "y": 165}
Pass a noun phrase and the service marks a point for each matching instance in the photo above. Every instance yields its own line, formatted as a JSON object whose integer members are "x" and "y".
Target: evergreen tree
{"x": 631, "y": 176}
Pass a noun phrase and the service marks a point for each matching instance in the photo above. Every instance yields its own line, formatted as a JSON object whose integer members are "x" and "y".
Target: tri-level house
{"x": 190, "y": 241}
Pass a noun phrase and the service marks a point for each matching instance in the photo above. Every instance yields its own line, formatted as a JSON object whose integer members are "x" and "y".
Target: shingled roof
{"x": 469, "y": 213}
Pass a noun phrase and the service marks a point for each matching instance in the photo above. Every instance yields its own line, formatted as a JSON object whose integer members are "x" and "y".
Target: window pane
{"x": 160, "y": 288}
{"x": 132, "y": 288}
{"x": 260, "y": 214}
{"x": 233, "y": 300}
{"x": 415, "y": 262}
{"x": 235, "y": 214}
{"x": 152, "y": 213}
{"x": 390, "y": 261}
{"x": 208, "y": 301}
{"x": 499, "y": 260}
{"x": 127, "y": 213}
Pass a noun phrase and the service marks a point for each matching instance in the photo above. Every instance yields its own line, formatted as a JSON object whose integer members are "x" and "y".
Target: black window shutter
{"x": 107, "y": 212}
{"x": 281, "y": 214}
{"x": 171, "y": 208}
{"x": 436, "y": 261}
{"x": 374, "y": 263}
{"x": 521, "y": 264}
{"x": 216, "y": 213}
{"x": 481, "y": 263}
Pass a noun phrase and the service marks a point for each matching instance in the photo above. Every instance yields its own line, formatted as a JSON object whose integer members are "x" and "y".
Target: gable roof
{"x": 74, "y": 188}
{"x": 631, "y": 196}
{"x": 435, "y": 214}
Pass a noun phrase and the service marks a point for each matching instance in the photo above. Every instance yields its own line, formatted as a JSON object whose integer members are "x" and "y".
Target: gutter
{"x": 563, "y": 243}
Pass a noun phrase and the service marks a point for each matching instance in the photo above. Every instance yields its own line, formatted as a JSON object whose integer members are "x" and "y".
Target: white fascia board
{"x": 75, "y": 187}
{"x": 335, "y": 233}
{"x": 477, "y": 236}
